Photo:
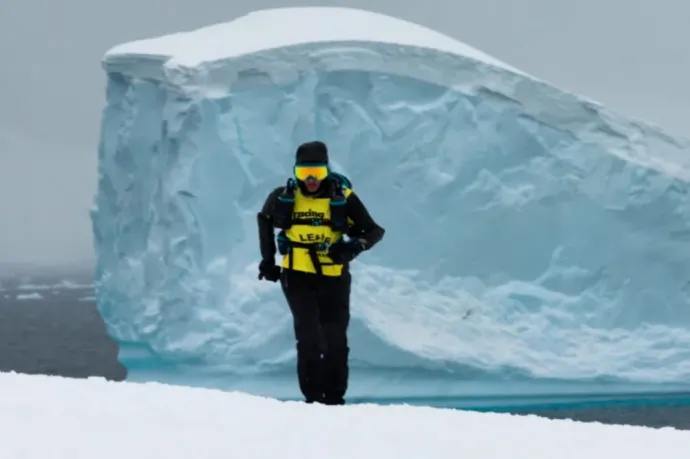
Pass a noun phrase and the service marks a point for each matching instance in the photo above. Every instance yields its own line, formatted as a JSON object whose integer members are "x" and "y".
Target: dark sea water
{"x": 61, "y": 333}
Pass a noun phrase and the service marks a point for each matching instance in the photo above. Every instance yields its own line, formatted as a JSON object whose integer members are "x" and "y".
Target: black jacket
{"x": 364, "y": 226}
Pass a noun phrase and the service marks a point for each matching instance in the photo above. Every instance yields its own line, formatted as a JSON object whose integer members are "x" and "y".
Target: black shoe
{"x": 334, "y": 401}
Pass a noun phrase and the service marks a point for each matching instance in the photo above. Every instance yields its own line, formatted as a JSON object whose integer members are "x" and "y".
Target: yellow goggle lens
{"x": 317, "y": 172}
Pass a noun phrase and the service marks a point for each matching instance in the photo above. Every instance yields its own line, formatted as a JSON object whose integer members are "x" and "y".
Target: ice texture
{"x": 531, "y": 233}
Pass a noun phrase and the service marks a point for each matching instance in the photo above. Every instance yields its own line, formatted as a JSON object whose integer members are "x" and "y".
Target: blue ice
{"x": 533, "y": 236}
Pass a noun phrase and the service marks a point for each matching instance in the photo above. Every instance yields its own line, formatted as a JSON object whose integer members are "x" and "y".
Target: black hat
{"x": 312, "y": 152}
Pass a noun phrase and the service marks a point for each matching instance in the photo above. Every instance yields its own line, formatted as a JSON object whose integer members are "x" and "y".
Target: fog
{"x": 631, "y": 55}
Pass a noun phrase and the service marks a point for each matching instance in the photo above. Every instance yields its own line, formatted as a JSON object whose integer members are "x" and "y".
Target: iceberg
{"x": 536, "y": 241}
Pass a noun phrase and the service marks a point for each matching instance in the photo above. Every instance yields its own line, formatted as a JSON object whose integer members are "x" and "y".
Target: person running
{"x": 323, "y": 227}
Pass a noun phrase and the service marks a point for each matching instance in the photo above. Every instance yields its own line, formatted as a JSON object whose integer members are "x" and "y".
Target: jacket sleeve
{"x": 267, "y": 243}
{"x": 364, "y": 226}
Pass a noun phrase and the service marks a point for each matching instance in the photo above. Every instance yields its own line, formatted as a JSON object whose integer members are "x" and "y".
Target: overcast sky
{"x": 630, "y": 54}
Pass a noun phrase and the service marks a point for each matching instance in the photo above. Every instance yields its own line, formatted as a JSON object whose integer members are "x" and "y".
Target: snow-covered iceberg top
{"x": 278, "y": 45}
{"x": 276, "y": 29}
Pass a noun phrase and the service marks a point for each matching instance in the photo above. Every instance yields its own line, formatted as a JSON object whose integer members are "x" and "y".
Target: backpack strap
{"x": 338, "y": 207}
{"x": 282, "y": 215}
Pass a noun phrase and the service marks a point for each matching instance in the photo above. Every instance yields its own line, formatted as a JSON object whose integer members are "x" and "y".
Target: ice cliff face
{"x": 529, "y": 231}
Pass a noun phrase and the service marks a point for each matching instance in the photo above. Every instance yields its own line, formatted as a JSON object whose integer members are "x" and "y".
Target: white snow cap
{"x": 281, "y": 27}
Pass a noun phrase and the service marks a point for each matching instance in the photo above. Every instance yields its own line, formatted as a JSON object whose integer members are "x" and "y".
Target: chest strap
{"x": 285, "y": 246}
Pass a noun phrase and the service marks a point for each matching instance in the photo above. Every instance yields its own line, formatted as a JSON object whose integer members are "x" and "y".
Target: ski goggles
{"x": 318, "y": 172}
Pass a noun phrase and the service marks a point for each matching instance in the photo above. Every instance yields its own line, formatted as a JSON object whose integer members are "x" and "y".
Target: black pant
{"x": 320, "y": 307}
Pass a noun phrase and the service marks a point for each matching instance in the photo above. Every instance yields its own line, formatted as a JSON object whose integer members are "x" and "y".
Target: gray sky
{"x": 632, "y": 55}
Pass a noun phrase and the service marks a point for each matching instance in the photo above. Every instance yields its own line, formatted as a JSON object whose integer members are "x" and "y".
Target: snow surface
{"x": 531, "y": 233}
{"x": 51, "y": 417}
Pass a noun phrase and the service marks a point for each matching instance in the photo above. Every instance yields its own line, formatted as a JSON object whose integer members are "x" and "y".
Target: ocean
{"x": 49, "y": 324}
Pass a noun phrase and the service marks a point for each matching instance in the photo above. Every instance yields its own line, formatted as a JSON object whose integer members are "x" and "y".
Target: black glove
{"x": 269, "y": 271}
{"x": 345, "y": 252}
